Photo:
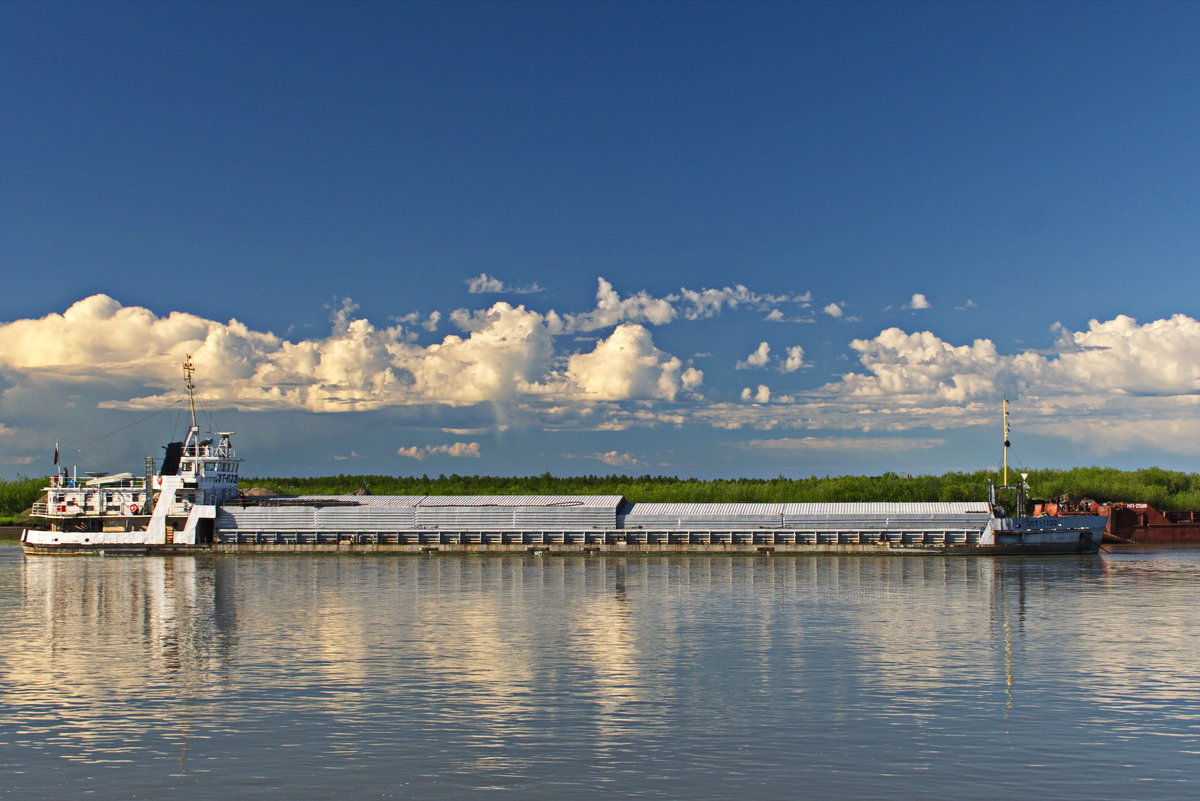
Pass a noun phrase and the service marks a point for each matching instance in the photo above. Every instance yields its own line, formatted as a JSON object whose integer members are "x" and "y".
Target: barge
{"x": 1131, "y": 523}
{"x": 190, "y": 503}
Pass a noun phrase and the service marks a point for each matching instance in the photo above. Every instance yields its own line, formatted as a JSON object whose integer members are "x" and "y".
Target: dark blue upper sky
{"x": 1020, "y": 164}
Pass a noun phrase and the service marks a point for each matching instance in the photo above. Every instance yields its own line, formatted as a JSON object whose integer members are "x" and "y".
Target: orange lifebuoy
{"x": 160, "y": 481}
{"x": 133, "y": 508}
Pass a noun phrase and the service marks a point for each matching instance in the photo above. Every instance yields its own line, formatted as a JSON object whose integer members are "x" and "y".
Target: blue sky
{"x": 517, "y": 237}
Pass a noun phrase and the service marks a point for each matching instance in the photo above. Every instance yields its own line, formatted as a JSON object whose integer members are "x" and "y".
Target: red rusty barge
{"x": 1131, "y": 522}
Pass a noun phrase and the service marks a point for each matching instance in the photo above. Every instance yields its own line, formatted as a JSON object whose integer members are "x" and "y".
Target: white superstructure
{"x": 174, "y": 504}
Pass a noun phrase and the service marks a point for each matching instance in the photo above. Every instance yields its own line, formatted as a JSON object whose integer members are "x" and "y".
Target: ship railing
{"x": 44, "y": 509}
{"x": 60, "y": 482}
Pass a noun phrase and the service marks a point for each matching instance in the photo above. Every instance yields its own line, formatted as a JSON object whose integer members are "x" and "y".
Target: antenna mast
{"x": 188, "y": 370}
{"x": 1006, "y": 441}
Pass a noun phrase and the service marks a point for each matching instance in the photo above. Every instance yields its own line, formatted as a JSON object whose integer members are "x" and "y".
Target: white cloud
{"x": 1120, "y": 356}
{"x": 759, "y": 358}
{"x": 833, "y": 310}
{"x": 918, "y": 301}
{"x": 611, "y": 309}
{"x": 794, "y": 360}
{"x": 627, "y": 365}
{"x": 705, "y": 303}
{"x": 430, "y": 323}
{"x": 457, "y": 450}
{"x": 922, "y": 365}
{"x": 486, "y": 284}
{"x": 1117, "y": 384}
{"x": 761, "y": 395}
{"x": 688, "y": 304}
{"x": 615, "y": 459}
{"x": 507, "y": 354}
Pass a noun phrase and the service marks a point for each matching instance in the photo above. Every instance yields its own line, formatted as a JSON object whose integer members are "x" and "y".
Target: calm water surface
{"x": 546, "y": 678}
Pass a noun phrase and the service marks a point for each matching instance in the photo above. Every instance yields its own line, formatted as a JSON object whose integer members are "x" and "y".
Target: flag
{"x": 56, "y": 453}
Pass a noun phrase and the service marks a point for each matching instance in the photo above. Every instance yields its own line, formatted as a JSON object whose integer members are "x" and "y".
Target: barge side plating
{"x": 610, "y": 524}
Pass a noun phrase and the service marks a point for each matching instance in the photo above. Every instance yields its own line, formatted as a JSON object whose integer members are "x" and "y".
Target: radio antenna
{"x": 188, "y": 370}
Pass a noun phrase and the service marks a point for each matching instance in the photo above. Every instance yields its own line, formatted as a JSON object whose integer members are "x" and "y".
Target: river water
{"x": 595, "y": 677}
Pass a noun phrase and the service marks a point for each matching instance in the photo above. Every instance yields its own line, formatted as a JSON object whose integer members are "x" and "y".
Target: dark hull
{"x": 114, "y": 550}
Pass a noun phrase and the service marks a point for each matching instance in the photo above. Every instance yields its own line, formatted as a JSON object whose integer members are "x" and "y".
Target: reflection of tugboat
{"x": 172, "y": 509}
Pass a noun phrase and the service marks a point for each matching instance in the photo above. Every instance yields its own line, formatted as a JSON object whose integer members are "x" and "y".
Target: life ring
{"x": 160, "y": 481}
{"x": 133, "y": 508}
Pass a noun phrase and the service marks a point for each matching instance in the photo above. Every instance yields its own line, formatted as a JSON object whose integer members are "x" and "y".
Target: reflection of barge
{"x": 192, "y": 504}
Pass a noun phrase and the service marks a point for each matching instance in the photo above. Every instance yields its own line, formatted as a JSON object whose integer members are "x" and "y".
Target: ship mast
{"x": 188, "y": 370}
{"x": 1006, "y": 441}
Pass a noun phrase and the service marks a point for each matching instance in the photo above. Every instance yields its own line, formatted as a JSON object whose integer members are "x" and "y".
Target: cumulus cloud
{"x": 919, "y": 365}
{"x": 615, "y": 459}
{"x": 686, "y": 304}
{"x": 430, "y": 323}
{"x": 457, "y": 450}
{"x": 833, "y": 310}
{"x": 794, "y": 360}
{"x": 705, "y": 303}
{"x": 760, "y": 395}
{"x": 1120, "y": 356}
{"x": 611, "y": 309}
{"x": 1116, "y": 358}
{"x": 486, "y": 284}
{"x": 918, "y": 301}
{"x": 628, "y": 365}
{"x": 759, "y": 358}
{"x": 507, "y": 353}
{"x": 1117, "y": 382}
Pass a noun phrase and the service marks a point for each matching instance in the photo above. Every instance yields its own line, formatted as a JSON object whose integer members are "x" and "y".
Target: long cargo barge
{"x": 190, "y": 503}
{"x": 551, "y": 525}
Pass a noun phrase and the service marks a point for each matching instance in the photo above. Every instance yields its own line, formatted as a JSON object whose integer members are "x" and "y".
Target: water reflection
{"x": 670, "y": 676}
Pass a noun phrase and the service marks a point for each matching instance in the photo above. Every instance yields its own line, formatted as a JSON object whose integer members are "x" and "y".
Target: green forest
{"x": 1166, "y": 489}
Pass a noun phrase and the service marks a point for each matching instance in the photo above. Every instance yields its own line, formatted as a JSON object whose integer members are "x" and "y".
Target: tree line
{"x": 1165, "y": 489}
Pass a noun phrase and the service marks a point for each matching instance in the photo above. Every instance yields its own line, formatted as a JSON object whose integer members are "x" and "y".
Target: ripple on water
{"x": 703, "y": 678}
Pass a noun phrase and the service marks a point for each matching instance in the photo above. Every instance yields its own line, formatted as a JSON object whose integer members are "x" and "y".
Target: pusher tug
{"x": 171, "y": 510}
{"x": 192, "y": 505}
